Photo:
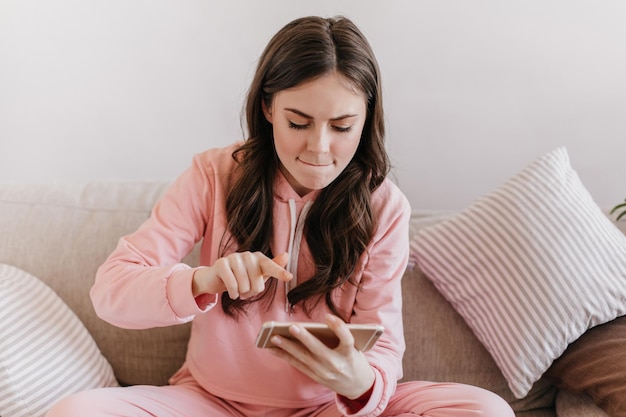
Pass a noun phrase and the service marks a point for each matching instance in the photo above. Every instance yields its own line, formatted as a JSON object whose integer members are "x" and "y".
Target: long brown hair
{"x": 340, "y": 223}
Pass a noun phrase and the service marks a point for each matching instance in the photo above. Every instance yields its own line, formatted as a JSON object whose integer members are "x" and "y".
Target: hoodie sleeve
{"x": 379, "y": 298}
{"x": 143, "y": 283}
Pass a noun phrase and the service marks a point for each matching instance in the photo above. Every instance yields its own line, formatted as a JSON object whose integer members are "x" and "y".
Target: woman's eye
{"x": 293, "y": 125}
{"x": 342, "y": 129}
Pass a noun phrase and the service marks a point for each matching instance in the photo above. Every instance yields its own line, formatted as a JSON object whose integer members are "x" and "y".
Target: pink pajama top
{"x": 144, "y": 284}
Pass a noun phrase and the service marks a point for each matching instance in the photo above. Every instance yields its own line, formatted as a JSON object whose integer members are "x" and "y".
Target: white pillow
{"x": 46, "y": 353}
{"x": 530, "y": 267}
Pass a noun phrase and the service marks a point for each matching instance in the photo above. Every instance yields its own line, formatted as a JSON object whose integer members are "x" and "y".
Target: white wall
{"x": 474, "y": 90}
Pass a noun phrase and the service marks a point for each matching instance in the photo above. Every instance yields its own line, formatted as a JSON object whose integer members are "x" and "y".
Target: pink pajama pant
{"x": 188, "y": 399}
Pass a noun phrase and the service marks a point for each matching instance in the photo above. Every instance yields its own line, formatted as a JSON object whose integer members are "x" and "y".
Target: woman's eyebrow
{"x": 334, "y": 119}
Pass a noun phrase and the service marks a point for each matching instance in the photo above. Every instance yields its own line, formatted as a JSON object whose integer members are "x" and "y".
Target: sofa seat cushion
{"x": 530, "y": 267}
{"x": 46, "y": 353}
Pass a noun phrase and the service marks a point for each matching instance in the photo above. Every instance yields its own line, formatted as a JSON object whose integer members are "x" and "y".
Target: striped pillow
{"x": 45, "y": 351}
{"x": 530, "y": 267}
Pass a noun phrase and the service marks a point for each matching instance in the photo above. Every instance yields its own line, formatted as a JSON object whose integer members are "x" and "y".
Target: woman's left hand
{"x": 343, "y": 369}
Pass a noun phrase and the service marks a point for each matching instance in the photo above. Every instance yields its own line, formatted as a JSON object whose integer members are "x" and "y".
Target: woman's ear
{"x": 267, "y": 112}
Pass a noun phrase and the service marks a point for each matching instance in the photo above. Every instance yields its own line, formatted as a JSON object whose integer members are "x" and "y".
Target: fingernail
{"x": 294, "y": 329}
{"x": 276, "y": 340}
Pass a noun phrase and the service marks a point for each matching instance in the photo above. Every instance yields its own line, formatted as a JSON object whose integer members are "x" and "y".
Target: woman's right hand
{"x": 242, "y": 274}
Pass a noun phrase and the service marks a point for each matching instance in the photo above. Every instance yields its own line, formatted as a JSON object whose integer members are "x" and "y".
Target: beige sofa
{"x": 61, "y": 233}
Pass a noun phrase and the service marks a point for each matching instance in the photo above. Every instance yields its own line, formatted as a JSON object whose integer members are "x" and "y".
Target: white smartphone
{"x": 365, "y": 335}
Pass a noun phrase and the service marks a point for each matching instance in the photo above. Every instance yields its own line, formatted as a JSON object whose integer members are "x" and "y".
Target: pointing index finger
{"x": 276, "y": 268}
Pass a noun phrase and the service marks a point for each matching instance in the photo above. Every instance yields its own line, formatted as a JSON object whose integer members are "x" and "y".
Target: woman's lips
{"x": 315, "y": 164}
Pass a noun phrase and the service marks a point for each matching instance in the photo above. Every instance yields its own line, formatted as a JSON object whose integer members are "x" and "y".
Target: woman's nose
{"x": 319, "y": 141}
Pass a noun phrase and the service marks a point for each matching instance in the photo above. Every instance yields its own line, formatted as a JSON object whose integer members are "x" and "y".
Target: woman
{"x": 298, "y": 223}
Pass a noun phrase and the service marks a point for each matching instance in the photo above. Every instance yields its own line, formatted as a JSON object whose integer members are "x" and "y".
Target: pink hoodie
{"x": 144, "y": 284}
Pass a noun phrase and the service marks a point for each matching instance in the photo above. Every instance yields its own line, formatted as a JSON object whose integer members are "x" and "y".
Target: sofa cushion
{"x": 530, "y": 267}
{"x": 595, "y": 364}
{"x": 46, "y": 353}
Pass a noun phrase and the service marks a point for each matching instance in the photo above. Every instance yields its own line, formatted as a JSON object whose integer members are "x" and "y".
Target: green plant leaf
{"x": 617, "y": 207}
